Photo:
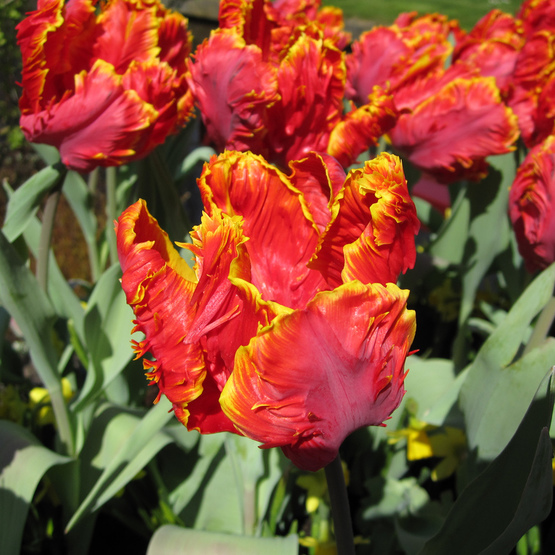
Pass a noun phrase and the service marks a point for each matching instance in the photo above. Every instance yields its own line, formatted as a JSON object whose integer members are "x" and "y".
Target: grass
{"x": 467, "y": 12}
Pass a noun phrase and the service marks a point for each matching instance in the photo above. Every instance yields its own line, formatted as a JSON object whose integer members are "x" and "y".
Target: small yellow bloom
{"x": 39, "y": 397}
{"x": 425, "y": 441}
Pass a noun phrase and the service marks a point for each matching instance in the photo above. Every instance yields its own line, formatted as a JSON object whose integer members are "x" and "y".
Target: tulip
{"x": 104, "y": 84}
{"x": 290, "y": 328}
{"x": 532, "y": 204}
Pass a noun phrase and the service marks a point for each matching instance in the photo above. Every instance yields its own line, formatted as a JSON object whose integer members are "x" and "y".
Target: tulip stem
{"x": 340, "y": 509}
{"x": 111, "y": 216}
{"x": 48, "y": 218}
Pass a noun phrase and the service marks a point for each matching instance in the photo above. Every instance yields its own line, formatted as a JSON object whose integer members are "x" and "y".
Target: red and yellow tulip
{"x": 103, "y": 83}
{"x": 290, "y": 329}
{"x": 532, "y": 206}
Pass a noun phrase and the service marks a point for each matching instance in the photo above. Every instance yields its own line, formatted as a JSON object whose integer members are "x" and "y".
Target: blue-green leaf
{"x": 107, "y": 330}
{"x": 174, "y": 540}
{"x": 24, "y": 202}
{"x": 27, "y": 303}
{"x": 23, "y": 462}
{"x": 510, "y": 496}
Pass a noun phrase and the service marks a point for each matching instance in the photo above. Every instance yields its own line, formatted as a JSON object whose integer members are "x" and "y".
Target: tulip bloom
{"x": 532, "y": 206}
{"x": 449, "y": 132}
{"x": 394, "y": 56}
{"x": 104, "y": 84}
{"x": 492, "y": 46}
{"x": 290, "y": 329}
{"x": 272, "y": 80}
{"x": 533, "y": 83}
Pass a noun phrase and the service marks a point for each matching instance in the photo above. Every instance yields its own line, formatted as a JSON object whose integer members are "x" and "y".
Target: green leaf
{"x": 449, "y": 244}
{"x": 130, "y": 443}
{"x": 175, "y": 540}
{"x": 510, "y": 496}
{"x": 488, "y": 203}
{"x": 256, "y": 473}
{"x": 23, "y": 462}
{"x": 22, "y": 297}
{"x": 489, "y": 370}
{"x": 427, "y": 383}
{"x": 81, "y": 201}
{"x": 24, "y": 202}
{"x": 512, "y": 390}
{"x": 61, "y": 295}
{"x": 107, "y": 329}
{"x": 488, "y": 210}
{"x": 49, "y": 154}
{"x": 199, "y": 154}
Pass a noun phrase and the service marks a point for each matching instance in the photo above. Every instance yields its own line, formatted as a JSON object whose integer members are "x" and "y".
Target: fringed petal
{"x": 371, "y": 235}
{"x": 282, "y": 234}
{"x": 315, "y": 375}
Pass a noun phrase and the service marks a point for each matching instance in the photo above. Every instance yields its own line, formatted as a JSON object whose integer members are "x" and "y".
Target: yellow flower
{"x": 425, "y": 441}
{"x": 40, "y": 398}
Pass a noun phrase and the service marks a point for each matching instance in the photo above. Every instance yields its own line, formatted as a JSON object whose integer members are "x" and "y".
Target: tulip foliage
{"x": 309, "y": 256}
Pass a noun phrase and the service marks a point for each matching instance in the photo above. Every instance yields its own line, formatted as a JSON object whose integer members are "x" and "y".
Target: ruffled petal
{"x": 532, "y": 205}
{"x": 82, "y": 99}
{"x": 315, "y": 375}
{"x": 371, "y": 234}
{"x": 100, "y": 124}
{"x": 452, "y": 132}
{"x": 232, "y": 96}
{"x": 282, "y": 235}
{"x": 311, "y": 82}
{"x": 193, "y": 321}
{"x": 159, "y": 286}
{"x": 493, "y": 46}
{"x": 128, "y": 34}
{"x": 319, "y": 177}
{"x": 362, "y": 127}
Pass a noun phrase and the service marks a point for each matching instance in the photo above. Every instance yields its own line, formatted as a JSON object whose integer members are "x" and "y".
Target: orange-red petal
{"x": 282, "y": 234}
{"x": 193, "y": 321}
{"x": 233, "y": 87}
{"x": 450, "y": 133}
{"x": 315, "y": 375}
{"x": 371, "y": 235}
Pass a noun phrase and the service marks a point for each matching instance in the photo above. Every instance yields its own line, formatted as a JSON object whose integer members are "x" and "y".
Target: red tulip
{"x": 461, "y": 121}
{"x": 492, "y": 46}
{"x": 104, "y": 86}
{"x": 532, "y": 206}
{"x": 290, "y": 329}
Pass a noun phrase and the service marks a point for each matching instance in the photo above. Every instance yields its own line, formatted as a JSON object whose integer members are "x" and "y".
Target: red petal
{"x": 532, "y": 204}
{"x": 319, "y": 177}
{"x": 232, "y": 96}
{"x": 361, "y": 128}
{"x": 451, "y": 132}
{"x": 311, "y": 82}
{"x": 277, "y": 221}
{"x": 371, "y": 235}
{"x": 129, "y": 33}
{"x": 313, "y": 376}
{"x": 192, "y": 328}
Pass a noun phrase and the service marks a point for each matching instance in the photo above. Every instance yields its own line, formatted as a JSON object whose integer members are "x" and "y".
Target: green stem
{"x": 48, "y": 219}
{"x": 542, "y": 327}
{"x": 340, "y": 510}
{"x": 92, "y": 246}
{"x": 111, "y": 212}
